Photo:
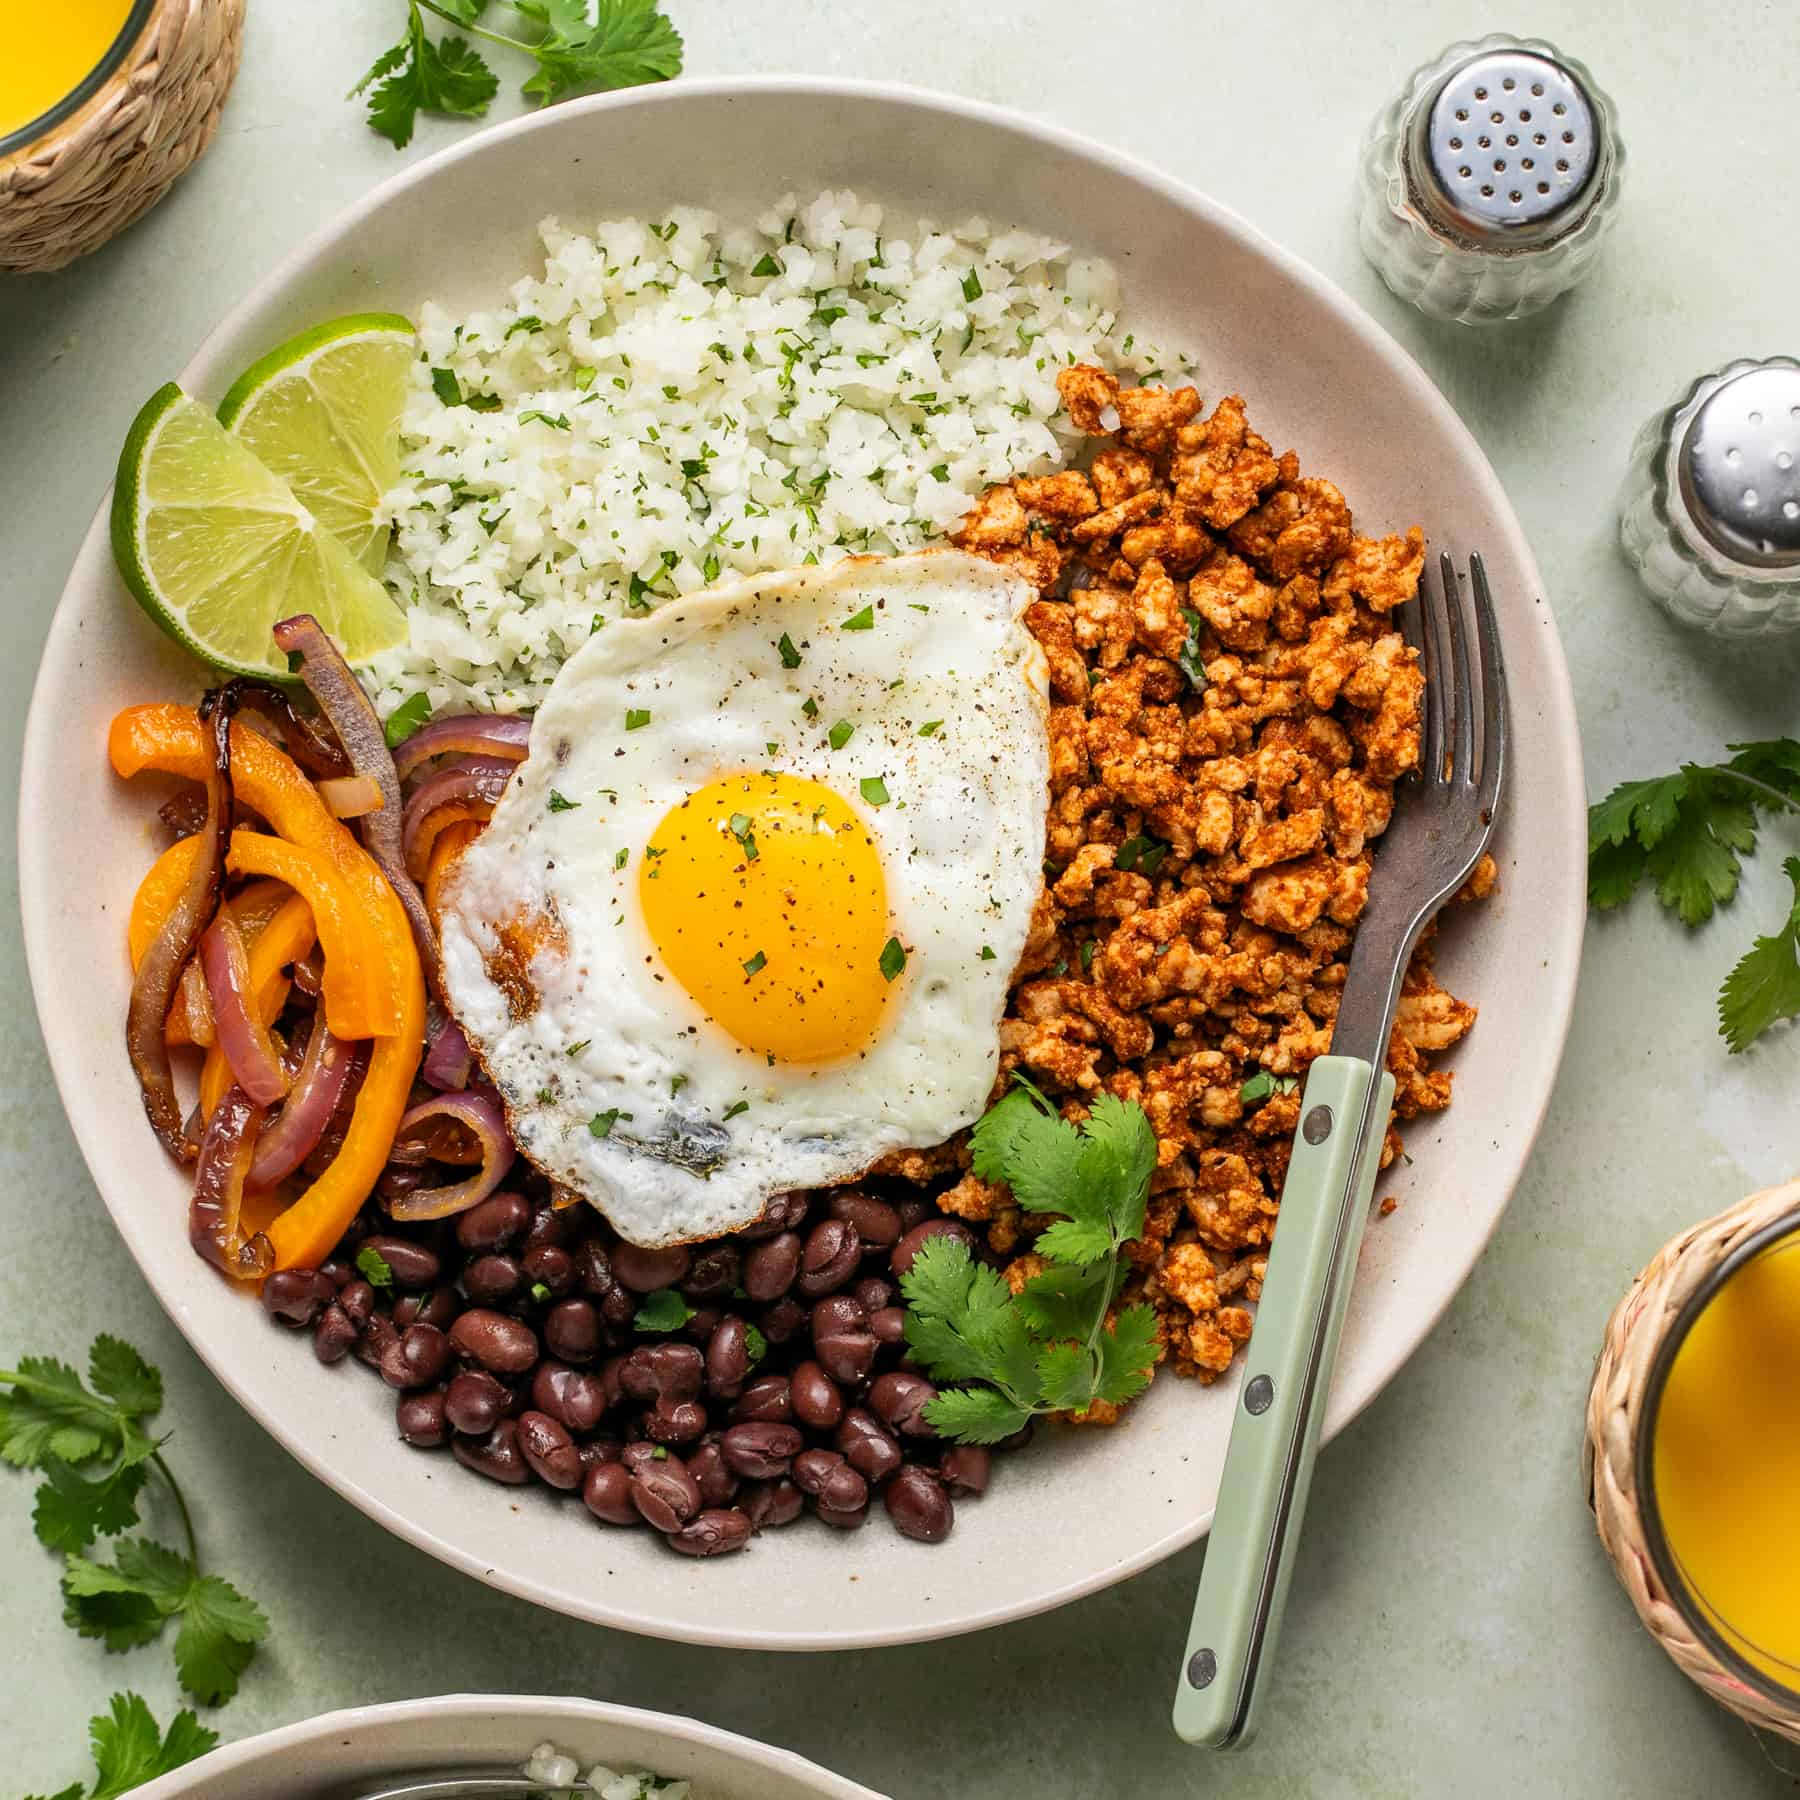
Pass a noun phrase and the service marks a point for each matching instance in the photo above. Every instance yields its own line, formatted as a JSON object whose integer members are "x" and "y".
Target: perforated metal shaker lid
{"x": 1738, "y": 465}
{"x": 1507, "y": 151}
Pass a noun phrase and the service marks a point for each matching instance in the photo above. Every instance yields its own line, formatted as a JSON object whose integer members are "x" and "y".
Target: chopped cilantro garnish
{"x": 405, "y": 719}
{"x": 987, "y": 952}
{"x": 893, "y": 959}
{"x": 1263, "y": 1086}
{"x": 931, "y": 728}
{"x": 756, "y": 964}
{"x": 1140, "y": 852}
{"x": 767, "y": 265}
{"x": 874, "y": 790}
{"x": 790, "y": 657}
{"x": 576, "y": 1048}
{"x": 736, "y": 1107}
{"x": 971, "y": 286}
{"x": 559, "y": 803}
{"x": 601, "y": 1123}
{"x": 636, "y": 718}
{"x": 622, "y": 857}
{"x": 862, "y": 621}
{"x": 664, "y": 1310}
{"x": 840, "y": 734}
{"x": 557, "y": 421}
{"x": 810, "y": 707}
{"x": 940, "y": 471}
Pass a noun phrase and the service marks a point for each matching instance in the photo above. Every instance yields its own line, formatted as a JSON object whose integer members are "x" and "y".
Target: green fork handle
{"x": 1281, "y": 1402}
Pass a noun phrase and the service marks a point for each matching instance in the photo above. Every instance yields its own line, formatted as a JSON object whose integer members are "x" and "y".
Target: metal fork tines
{"x": 451, "y": 1784}
{"x": 1442, "y": 822}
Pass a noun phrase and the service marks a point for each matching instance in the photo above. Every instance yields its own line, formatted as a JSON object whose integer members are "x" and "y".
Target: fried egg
{"x": 745, "y": 919}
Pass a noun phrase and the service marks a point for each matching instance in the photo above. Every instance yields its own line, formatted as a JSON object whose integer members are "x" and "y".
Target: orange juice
{"x": 1726, "y": 1461}
{"x": 47, "y": 47}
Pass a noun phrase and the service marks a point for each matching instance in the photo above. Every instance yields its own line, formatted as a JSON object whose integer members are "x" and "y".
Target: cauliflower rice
{"x": 559, "y": 1772}
{"x": 670, "y": 402}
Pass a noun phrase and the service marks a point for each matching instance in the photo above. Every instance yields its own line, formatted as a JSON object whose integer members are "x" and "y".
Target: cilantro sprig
{"x": 625, "y": 43}
{"x": 90, "y": 1444}
{"x": 1051, "y": 1347}
{"x": 129, "y": 1749}
{"x": 1686, "y": 834}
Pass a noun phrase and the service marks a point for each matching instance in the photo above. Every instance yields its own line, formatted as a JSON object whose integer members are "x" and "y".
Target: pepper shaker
{"x": 1487, "y": 187}
{"x": 1709, "y": 515}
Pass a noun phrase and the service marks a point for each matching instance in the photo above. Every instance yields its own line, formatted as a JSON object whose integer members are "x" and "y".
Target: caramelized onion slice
{"x": 504, "y": 735}
{"x": 480, "y": 1114}
{"x": 300, "y": 1124}
{"x": 245, "y": 1039}
{"x": 215, "y": 1214}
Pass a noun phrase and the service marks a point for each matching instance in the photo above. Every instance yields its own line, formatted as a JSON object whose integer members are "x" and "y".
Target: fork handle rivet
{"x": 1203, "y": 1665}
{"x": 1259, "y": 1394}
{"x": 1316, "y": 1127}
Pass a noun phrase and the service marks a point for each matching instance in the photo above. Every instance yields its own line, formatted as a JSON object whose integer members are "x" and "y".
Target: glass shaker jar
{"x": 1709, "y": 515}
{"x": 1486, "y": 188}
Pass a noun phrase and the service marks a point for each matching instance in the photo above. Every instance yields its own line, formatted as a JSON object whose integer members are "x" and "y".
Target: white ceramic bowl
{"x": 367, "y": 1744}
{"x": 1079, "y": 1510}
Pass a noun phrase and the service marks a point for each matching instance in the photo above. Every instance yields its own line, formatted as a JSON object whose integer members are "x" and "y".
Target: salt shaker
{"x": 1486, "y": 188}
{"x": 1709, "y": 515}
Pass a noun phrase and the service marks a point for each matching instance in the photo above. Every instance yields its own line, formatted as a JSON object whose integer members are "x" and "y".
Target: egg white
{"x": 706, "y": 1131}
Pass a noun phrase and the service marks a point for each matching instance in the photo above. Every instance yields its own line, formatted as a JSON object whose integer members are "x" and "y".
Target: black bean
{"x": 853, "y": 1520}
{"x": 475, "y": 1402}
{"x": 830, "y": 1258}
{"x": 421, "y": 1419}
{"x": 715, "y": 1272}
{"x": 830, "y": 1480}
{"x": 770, "y": 1268}
{"x": 377, "y": 1339}
{"x": 497, "y": 1221}
{"x": 507, "y": 1346}
{"x": 333, "y": 1335}
{"x": 715, "y": 1532}
{"x": 576, "y": 1397}
{"x": 295, "y": 1297}
{"x": 877, "y": 1224}
{"x": 770, "y": 1503}
{"x": 558, "y": 1225}
{"x": 965, "y": 1469}
{"x": 761, "y": 1452}
{"x": 337, "y": 1271}
{"x": 611, "y": 1385}
{"x": 782, "y": 1320}
{"x": 495, "y": 1456}
{"x": 872, "y": 1293}
{"x": 416, "y": 1358}
{"x": 908, "y": 1247}
{"x": 667, "y": 1371}
{"x": 490, "y": 1279}
{"x": 550, "y": 1266}
{"x": 593, "y": 1268}
{"x": 572, "y": 1330}
{"x": 439, "y": 1308}
{"x": 550, "y": 1451}
{"x": 868, "y": 1446}
{"x": 400, "y": 1178}
{"x": 915, "y": 1209}
{"x": 782, "y": 1213}
{"x": 838, "y": 1314}
{"x": 598, "y": 1450}
{"x": 846, "y": 1356}
{"x": 919, "y": 1507}
{"x": 815, "y": 1397}
{"x": 358, "y": 1301}
{"x": 641, "y": 1454}
{"x": 666, "y": 1494}
{"x": 606, "y": 1493}
{"x": 766, "y": 1400}
{"x": 702, "y": 1323}
{"x": 889, "y": 1326}
{"x": 644, "y": 1271}
{"x": 618, "y": 1307}
{"x": 682, "y": 1422}
{"x": 727, "y": 1359}
{"x": 412, "y": 1264}
{"x": 717, "y": 1482}
{"x": 900, "y": 1399}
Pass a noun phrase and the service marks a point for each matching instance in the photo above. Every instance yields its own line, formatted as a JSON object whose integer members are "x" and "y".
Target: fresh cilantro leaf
{"x": 756, "y": 1346}
{"x": 408, "y": 716}
{"x": 1065, "y": 1299}
{"x": 987, "y": 952}
{"x": 1694, "y": 860}
{"x": 70, "y": 1511}
{"x": 971, "y": 286}
{"x": 893, "y": 959}
{"x": 556, "y": 421}
{"x": 448, "y": 76}
{"x": 629, "y": 43}
{"x": 1066, "y": 1376}
{"x": 790, "y": 657}
{"x": 664, "y": 1310}
{"x": 953, "y": 1304}
{"x": 219, "y": 1633}
{"x": 755, "y": 965}
{"x": 120, "y": 1372}
{"x": 560, "y": 803}
{"x": 1192, "y": 665}
{"x": 931, "y": 728}
{"x": 128, "y": 1749}
{"x": 601, "y": 1124}
{"x": 1140, "y": 852}
{"x": 371, "y": 1266}
{"x": 766, "y": 265}
{"x": 976, "y": 1415}
{"x": 840, "y": 734}
{"x": 736, "y": 1107}
{"x": 1127, "y": 1355}
{"x": 991, "y": 1142}
{"x": 636, "y": 718}
{"x": 861, "y": 621}
{"x": 874, "y": 790}
{"x": 1764, "y": 987}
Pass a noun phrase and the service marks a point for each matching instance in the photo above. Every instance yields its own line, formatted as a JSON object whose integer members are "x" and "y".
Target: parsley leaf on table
{"x": 90, "y": 1444}
{"x": 129, "y": 1750}
{"x": 1686, "y": 833}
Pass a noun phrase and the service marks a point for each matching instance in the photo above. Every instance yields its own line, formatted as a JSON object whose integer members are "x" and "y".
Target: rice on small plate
{"x": 559, "y": 1772}
{"x": 672, "y": 401}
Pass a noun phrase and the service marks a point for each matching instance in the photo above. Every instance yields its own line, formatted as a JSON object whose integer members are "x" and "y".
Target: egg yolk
{"x": 764, "y": 895}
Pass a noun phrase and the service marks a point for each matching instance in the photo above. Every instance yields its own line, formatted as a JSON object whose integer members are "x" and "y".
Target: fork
{"x": 461, "y": 1784}
{"x": 1440, "y": 828}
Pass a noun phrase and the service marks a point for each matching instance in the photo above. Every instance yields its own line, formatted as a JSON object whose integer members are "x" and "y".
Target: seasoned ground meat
{"x": 1232, "y": 702}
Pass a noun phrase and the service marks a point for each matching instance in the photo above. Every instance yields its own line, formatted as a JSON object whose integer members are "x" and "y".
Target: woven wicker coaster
{"x": 109, "y": 162}
{"x": 1609, "y": 1455}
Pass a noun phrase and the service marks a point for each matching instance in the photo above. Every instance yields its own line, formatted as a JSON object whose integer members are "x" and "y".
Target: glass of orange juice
{"x": 1718, "y": 1458}
{"x": 54, "y": 54}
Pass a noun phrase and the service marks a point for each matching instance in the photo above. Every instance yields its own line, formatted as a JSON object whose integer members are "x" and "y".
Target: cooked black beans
{"x": 510, "y": 1334}
{"x": 916, "y": 1502}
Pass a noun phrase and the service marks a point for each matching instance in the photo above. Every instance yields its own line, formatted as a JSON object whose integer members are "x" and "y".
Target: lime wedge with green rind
{"x": 216, "y": 549}
{"x": 323, "y": 412}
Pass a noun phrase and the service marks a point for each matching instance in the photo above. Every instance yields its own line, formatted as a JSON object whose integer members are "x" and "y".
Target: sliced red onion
{"x": 448, "y": 1058}
{"x": 482, "y": 734}
{"x": 318, "y": 1087}
{"x": 341, "y": 699}
{"x": 467, "y": 778}
{"x": 479, "y": 1114}
{"x": 309, "y": 741}
{"x": 215, "y": 1215}
{"x": 350, "y": 796}
{"x": 255, "y": 1061}
{"x": 153, "y": 987}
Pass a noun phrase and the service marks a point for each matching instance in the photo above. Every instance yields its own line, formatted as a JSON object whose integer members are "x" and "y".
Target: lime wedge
{"x": 216, "y": 549}
{"x": 323, "y": 411}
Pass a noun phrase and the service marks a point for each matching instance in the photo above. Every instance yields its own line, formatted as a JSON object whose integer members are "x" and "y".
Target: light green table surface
{"x": 1454, "y": 1627}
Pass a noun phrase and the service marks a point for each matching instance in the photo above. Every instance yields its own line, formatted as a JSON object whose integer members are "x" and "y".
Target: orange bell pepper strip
{"x": 287, "y": 937}
{"x": 446, "y": 848}
{"x": 170, "y": 739}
